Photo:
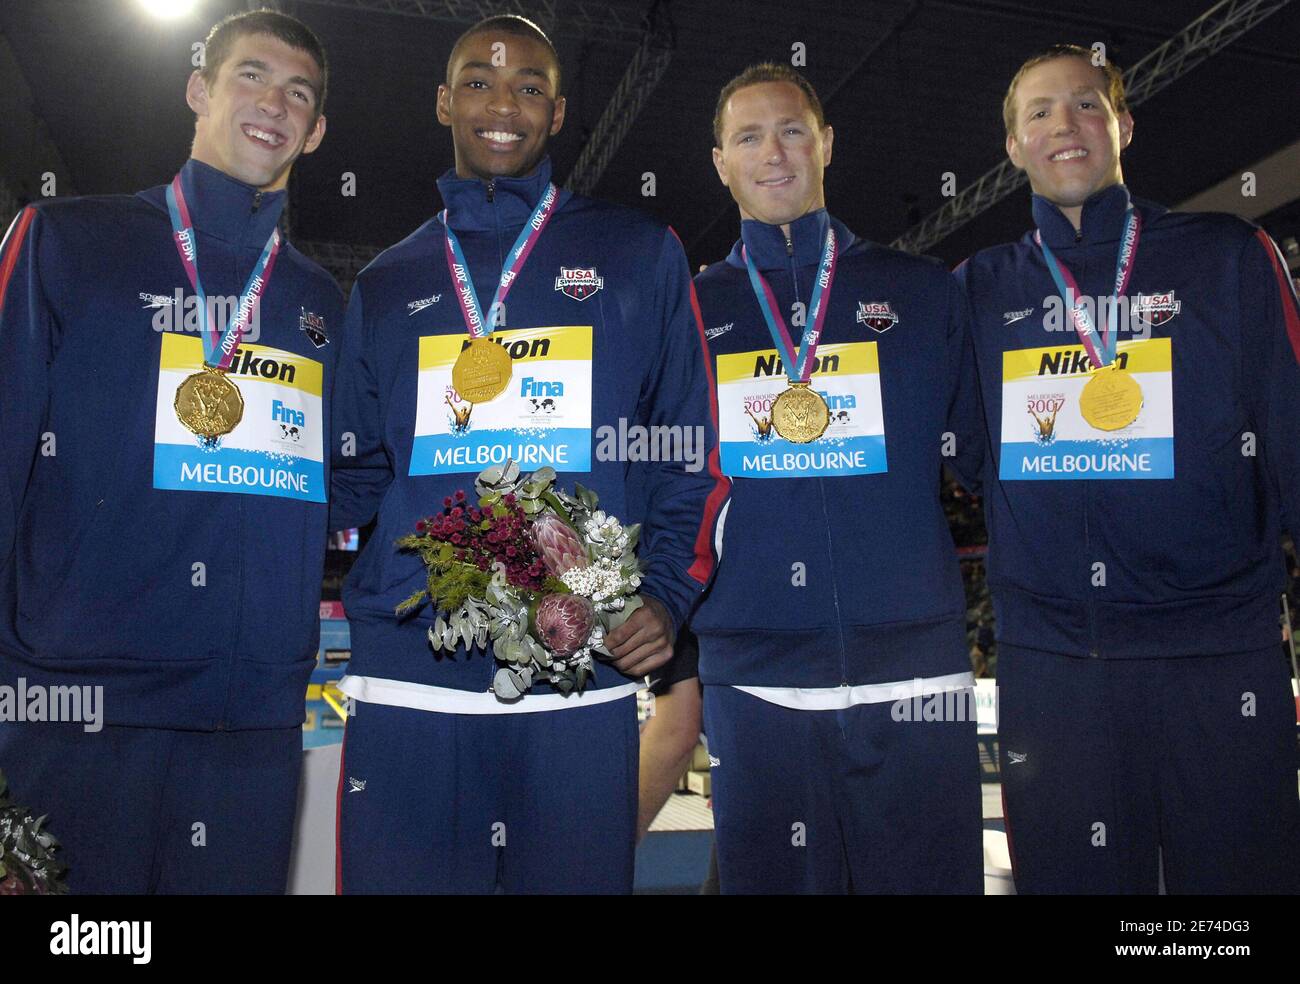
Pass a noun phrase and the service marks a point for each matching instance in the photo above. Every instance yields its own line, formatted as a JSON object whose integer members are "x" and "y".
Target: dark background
{"x": 913, "y": 89}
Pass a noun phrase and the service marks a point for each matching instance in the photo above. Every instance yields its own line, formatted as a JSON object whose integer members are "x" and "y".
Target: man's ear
{"x": 1125, "y": 130}
{"x": 1013, "y": 151}
{"x": 196, "y": 93}
{"x": 557, "y": 117}
{"x": 443, "y": 105}
{"x": 718, "y": 163}
{"x": 316, "y": 136}
{"x": 828, "y": 138}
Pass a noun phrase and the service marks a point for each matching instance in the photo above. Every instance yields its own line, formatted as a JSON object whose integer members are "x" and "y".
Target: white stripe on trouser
{"x": 423, "y": 697}
{"x": 838, "y": 698}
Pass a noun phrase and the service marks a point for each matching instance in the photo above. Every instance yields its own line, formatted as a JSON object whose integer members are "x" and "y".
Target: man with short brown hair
{"x": 1142, "y": 370}
{"x": 162, "y": 496}
{"x": 832, "y": 644}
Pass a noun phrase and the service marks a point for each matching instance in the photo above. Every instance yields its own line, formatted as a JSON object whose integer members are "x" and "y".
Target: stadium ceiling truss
{"x": 1214, "y": 30}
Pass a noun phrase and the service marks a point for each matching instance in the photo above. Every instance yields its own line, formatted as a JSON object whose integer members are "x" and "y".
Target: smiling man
{"x": 844, "y": 378}
{"x": 1148, "y": 463}
{"x": 161, "y": 537}
{"x": 452, "y": 786}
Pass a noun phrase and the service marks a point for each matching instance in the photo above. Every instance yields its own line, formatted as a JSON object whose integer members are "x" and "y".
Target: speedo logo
{"x": 520, "y": 348}
{"x": 773, "y": 365}
{"x": 424, "y": 302}
{"x": 260, "y": 365}
{"x": 1067, "y": 362}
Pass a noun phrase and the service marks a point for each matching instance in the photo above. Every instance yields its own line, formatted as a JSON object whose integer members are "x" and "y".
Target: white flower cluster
{"x": 600, "y": 581}
{"x": 606, "y": 535}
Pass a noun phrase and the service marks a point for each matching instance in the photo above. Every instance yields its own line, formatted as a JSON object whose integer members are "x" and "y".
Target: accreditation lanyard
{"x": 465, "y": 293}
{"x": 218, "y": 347}
{"x": 1100, "y": 346}
{"x": 797, "y": 370}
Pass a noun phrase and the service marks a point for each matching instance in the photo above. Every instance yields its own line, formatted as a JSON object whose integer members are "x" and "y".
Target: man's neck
{"x": 785, "y": 226}
{"x": 1075, "y": 212}
{"x": 464, "y": 173}
{"x": 200, "y": 153}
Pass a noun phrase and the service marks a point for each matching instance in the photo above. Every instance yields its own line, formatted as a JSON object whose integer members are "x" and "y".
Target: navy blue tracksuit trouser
{"x": 539, "y": 802}
{"x": 1110, "y": 766}
{"x": 150, "y": 810}
{"x": 841, "y": 801}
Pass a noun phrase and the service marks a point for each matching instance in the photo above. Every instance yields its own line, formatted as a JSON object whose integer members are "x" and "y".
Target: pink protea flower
{"x": 559, "y": 546}
{"x": 565, "y": 622}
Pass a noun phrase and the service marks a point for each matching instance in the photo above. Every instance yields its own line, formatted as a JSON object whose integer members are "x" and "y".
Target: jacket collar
{"x": 512, "y": 201}
{"x": 767, "y": 243}
{"x": 222, "y": 207}
{"x": 1102, "y": 219}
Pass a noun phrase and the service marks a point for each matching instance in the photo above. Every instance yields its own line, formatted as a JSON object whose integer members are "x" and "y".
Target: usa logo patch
{"x": 313, "y": 326}
{"x": 579, "y": 283}
{"x": 1156, "y": 309}
{"x": 877, "y": 315}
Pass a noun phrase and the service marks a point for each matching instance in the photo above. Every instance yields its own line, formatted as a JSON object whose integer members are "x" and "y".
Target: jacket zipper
{"x": 496, "y": 218}
{"x": 835, "y": 588}
{"x": 1087, "y": 543}
{"x": 826, "y": 516}
{"x": 240, "y": 539}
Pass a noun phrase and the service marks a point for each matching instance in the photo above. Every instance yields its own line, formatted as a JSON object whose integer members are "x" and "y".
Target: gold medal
{"x": 482, "y": 371}
{"x": 209, "y": 404}
{"x": 1111, "y": 399}
{"x": 800, "y": 414}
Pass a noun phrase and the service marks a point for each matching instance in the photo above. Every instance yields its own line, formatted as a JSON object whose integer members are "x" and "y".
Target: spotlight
{"x": 168, "y": 9}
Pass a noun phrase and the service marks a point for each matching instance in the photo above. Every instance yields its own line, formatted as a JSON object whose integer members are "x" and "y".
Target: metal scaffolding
{"x": 617, "y": 22}
{"x": 1207, "y": 35}
{"x": 643, "y": 73}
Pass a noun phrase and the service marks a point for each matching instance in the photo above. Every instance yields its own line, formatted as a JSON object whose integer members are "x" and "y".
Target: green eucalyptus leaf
{"x": 504, "y": 685}
{"x": 631, "y": 605}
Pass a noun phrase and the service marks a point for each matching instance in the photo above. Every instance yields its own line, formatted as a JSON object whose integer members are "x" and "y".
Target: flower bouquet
{"x": 28, "y": 865}
{"x": 542, "y": 574}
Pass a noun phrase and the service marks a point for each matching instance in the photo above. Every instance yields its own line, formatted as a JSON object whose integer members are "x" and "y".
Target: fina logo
{"x": 292, "y": 422}
{"x": 877, "y": 315}
{"x": 578, "y": 283}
